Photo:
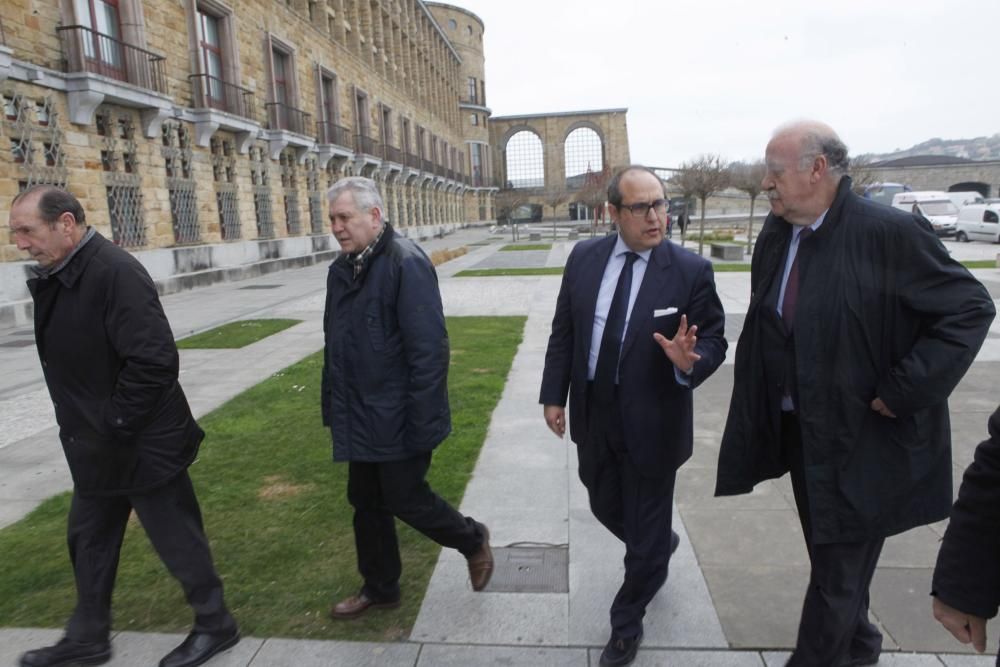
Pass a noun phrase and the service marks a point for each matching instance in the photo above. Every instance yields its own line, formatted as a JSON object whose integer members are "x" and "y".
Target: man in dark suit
{"x": 859, "y": 327}
{"x": 621, "y": 348}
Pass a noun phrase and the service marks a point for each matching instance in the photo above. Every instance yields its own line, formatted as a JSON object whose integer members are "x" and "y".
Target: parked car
{"x": 962, "y": 199}
{"x": 979, "y": 222}
{"x": 933, "y": 205}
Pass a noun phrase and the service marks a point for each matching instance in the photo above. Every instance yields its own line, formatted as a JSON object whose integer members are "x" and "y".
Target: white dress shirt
{"x": 612, "y": 270}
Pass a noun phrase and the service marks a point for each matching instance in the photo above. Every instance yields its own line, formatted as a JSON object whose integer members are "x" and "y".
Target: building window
{"x": 474, "y": 118}
{"x": 102, "y": 42}
{"x": 224, "y": 172}
{"x": 210, "y": 58}
{"x": 584, "y": 154}
{"x": 525, "y": 161}
{"x": 476, "y": 161}
{"x": 452, "y": 24}
{"x": 471, "y": 90}
{"x": 181, "y": 185}
{"x": 329, "y": 112}
{"x": 283, "y": 113}
{"x": 261, "y": 178}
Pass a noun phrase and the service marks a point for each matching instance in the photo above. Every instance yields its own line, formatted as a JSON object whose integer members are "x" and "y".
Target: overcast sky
{"x": 713, "y": 76}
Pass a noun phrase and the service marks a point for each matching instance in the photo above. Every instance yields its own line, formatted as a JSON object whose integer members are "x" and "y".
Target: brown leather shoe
{"x": 356, "y": 605}
{"x": 481, "y": 563}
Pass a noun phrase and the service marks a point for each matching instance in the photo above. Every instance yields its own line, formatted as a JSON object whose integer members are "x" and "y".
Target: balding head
{"x": 805, "y": 161}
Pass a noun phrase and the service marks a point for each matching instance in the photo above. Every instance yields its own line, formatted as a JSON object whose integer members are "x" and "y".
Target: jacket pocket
{"x": 373, "y": 322}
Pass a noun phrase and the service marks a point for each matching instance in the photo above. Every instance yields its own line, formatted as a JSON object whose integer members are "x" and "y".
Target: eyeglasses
{"x": 641, "y": 209}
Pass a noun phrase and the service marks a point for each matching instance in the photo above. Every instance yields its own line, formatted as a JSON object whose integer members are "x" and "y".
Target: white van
{"x": 961, "y": 199}
{"x": 979, "y": 222}
{"x": 933, "y": 205}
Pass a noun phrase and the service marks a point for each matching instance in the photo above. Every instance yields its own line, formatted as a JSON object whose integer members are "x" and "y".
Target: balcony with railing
{"x": 281, "y": 116}
{"x": 427, "y": 165}
{"x": 213, "y": 93}
{"x": 412, "y": 161}
{"x": 365, "y": 145}
{"x": 220, "y": 105}
{"x": 101, "y": 68}
{"x": 331, "y": 133}
{"x": 87, "y": 50}
{"x": 289, "y": 127}
{"x": 392, "y": 154}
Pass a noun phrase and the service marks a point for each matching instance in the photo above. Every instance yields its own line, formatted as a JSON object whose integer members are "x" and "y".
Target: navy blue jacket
{"x": 656, "y": 409}
{"x": 385, "y": 371}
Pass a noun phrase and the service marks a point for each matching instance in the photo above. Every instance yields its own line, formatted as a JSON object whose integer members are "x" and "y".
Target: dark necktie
{"x": 606, "y": 371}
{"x": 792, "y": 286}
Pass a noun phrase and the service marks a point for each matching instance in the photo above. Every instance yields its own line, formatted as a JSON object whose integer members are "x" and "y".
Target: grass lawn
{"x": 479, "y": 273}
{"x": 980, "y": 264}
{"x": 527, "y": 246}
{"x": 722, "y": 267}
{"x": 235, "y": 334}
{"x": 276, "y": 510}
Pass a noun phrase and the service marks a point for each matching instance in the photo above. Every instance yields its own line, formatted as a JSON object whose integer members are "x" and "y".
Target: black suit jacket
{"x": 655, "y": 408}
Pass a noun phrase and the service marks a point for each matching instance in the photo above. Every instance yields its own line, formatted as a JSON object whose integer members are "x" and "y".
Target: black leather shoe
{"x": 199, "y": 647}
{"x": 675, "y": 541}
{"x": 620, "y": 650}
{"x": 68, "y": 652}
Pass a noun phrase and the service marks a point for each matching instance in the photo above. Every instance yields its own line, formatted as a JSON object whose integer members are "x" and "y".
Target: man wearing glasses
{"x": 637, "y": 326}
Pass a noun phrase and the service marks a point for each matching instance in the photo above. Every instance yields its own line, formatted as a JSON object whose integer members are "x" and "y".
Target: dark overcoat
{"x": 385, "y": 371}
{"x": 967, "y": 576}
{"x": 883, "y": 311}
{"x": 111, "y": 366}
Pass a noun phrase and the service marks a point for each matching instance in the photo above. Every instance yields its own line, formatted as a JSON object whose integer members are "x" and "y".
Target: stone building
{"x": 202, "y": 134}
{"x": 556, "y": 165}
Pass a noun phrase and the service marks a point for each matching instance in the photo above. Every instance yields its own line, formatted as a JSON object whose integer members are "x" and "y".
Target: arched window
{"x": 525, "y": 161}
{"x": 583, "y": 153}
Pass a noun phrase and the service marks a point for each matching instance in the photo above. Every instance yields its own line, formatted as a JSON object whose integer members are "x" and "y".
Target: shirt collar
{"x": 621, "y": 249}
{"x": 814, "y": 226}
{"x": 358, "y": 260}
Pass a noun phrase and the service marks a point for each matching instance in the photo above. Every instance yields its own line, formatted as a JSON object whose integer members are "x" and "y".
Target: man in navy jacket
{"x": 385, "y": 395}
{"x": 638, "y": 325}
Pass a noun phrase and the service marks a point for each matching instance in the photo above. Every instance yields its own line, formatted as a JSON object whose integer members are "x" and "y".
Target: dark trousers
{"x": 834, "y": 626}
{"x": 172, "y": 519}
{"x": 636, "y": 508}
{"x": 381, "y": 491}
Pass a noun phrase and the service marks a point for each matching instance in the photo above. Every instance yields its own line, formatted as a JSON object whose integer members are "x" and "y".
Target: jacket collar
{"x": 69, "y": 273}
{"x": 345, "y": 266}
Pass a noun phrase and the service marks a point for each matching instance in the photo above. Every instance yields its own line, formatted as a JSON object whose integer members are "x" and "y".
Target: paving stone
{"x": 436, "y": 655}
{"x": 308, "y": 653}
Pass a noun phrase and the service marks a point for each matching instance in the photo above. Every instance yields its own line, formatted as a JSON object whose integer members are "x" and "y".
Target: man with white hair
{"x": 859, "y": 327}
{"x": 385, "y": 395}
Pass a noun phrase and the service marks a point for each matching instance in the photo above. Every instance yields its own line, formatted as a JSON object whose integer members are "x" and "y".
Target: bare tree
{"x": 507, "y": 202}
{"x": 702, "y": 177}
{"x": 594, "y": 193}
{"x": 747, "y": 177}
{"x": 862, "y": 174}
{"x": 555, "y": 199}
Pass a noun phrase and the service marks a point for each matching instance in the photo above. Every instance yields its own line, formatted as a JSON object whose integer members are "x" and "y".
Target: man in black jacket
{"x": 111, "y": 366}
{"x": 385, "y": 395}
{"x": 859, "y": 327}
{"x": 966, "y": 585}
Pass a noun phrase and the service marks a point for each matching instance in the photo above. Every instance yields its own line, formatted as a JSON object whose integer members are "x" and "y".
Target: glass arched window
{"x": 583, "y": 153}
{"x": 525, "y": 161}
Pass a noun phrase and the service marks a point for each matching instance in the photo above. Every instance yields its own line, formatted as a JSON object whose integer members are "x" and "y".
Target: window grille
{"x": 121, "y": 178}
{"x": 259, "y": 174}
{"x": 224, "y": 173}
{"x": 181, "y": 184}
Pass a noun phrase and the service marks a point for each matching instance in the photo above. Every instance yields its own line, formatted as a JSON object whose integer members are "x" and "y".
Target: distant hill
{"x": 980, "y": 148}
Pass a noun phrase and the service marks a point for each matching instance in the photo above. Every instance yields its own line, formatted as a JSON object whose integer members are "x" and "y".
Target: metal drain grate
{"x": 530, "y": 570}
{"x": 262, "y": 287}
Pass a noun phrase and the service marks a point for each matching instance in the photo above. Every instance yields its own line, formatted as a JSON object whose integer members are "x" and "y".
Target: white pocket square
{"x": 662, "y": 312}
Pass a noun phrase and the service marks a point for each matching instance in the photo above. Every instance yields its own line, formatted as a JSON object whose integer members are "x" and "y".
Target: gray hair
{"x": 819, "y": 139}
{"x": 52, "y": 203}
{"x": 364, "y": 190}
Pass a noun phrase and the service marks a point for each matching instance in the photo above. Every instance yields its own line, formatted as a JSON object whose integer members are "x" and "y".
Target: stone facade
{"x": 984, "y": 176}
{"x": 203, "y": 122}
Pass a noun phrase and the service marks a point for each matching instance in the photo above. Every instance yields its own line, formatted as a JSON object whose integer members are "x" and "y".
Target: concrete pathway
{"x": 735, "y": 585}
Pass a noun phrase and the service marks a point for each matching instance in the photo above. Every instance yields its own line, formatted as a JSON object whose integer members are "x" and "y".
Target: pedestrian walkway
{"x": 735, "y": 584}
